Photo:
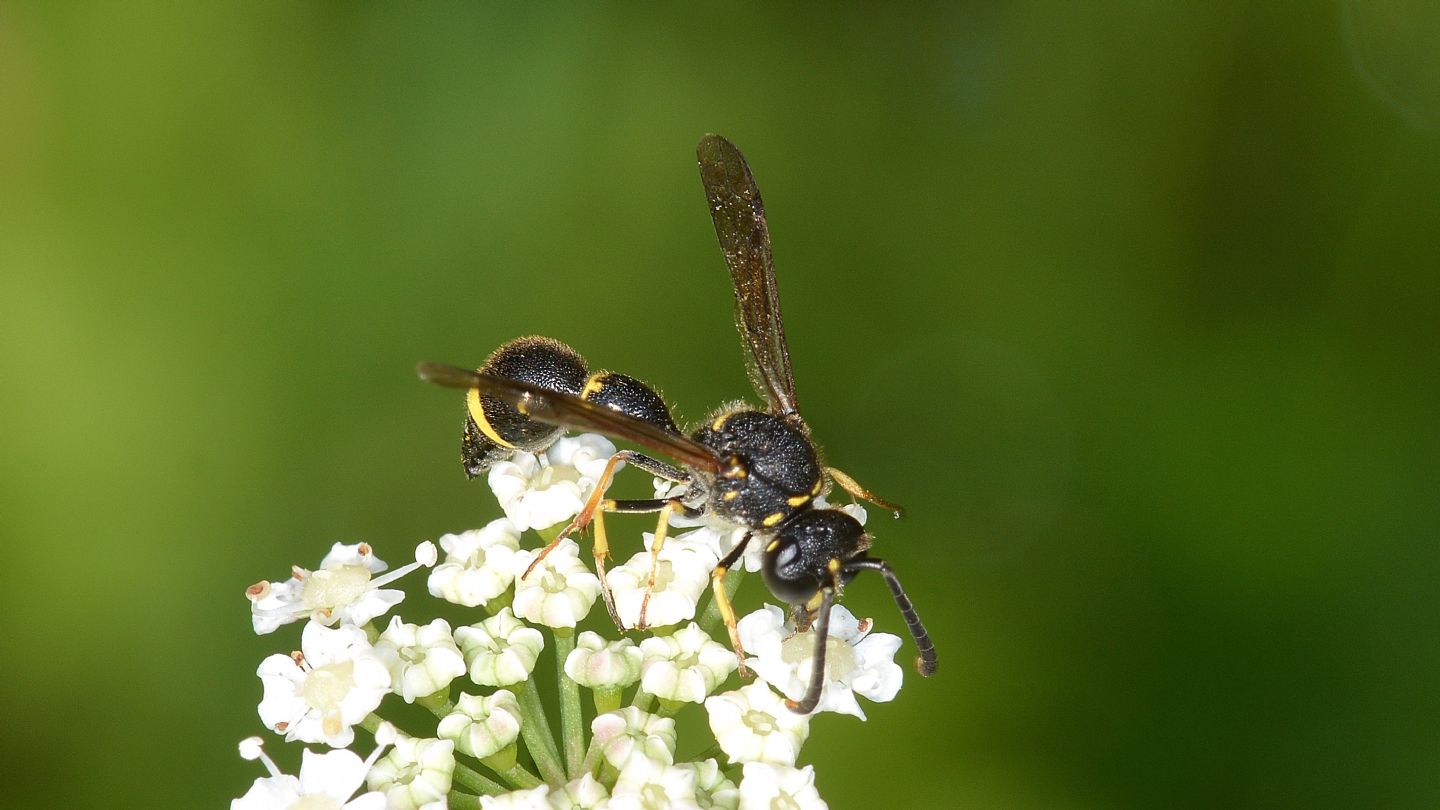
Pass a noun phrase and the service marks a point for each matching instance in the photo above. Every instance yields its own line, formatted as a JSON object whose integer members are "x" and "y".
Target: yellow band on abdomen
{"x": 477, "y": 412}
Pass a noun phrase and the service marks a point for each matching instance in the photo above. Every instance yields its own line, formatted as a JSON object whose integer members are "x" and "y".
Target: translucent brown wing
{"x": 745, "y": 239}
{"x": 564, "y": 410}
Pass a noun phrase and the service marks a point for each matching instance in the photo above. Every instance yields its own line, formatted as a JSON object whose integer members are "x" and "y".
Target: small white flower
{"x": 538, "y": 491}
{"x": 317, "y": 694}
{"x": 533, "y": 799}
{"x": 560, "y": 591}
{"x": 481, "y": 726}
{"x": 598, "y": 664}
{"x": 421, "y": 660}
{"x": 645, "y": 784}
{"x": 856, "y": 661}
{"x": 712, "y": 789}
{"x": 479, "y": 564}
{"x": 585, "y": 793}
{"x": 416, "y": 772}
{"x": 765, "y": 786}
{"x": 684, "y": 666}
{"x": 501, "y": 650}
{"x": 340, "y": 591}
{"x": 629, "y": 732}
{"x": 326, "y": 780}
{"x": 752, "y": 725}
{"x": 682, "y": 573}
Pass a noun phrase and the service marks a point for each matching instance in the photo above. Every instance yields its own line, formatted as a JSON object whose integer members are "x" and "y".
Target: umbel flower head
{"x": 494, "y": 742}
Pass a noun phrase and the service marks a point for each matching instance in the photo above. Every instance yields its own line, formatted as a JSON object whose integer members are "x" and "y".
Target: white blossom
{"x": 538, "y": 491}
{"x": 478, "y": 566}
{"x": 416, "y": 772}
{"x": 856, "y": 661}
{"x": 752, "y": 724}
{"x": 501, "y": 650}
{"x": 630, "y": 732}
{"x": 765, "y": 786}
{"x": 585, "y": 793}
{"x": 712, "y": 789}
{"x": 481, "y": 726}
{"x": 645, "y": 784}
{"x": 684, "y": 666}
{"x": 536, "y": 798}
{"x": 598, "y": 664}
{"x": 326, "y": 780}
{"x": 341, "y": 590}
{"x": 682, "y": 574}
{"x": 319, "y": 693}
{"x": 421, "y": 660}
{"x": 560, "y": 591}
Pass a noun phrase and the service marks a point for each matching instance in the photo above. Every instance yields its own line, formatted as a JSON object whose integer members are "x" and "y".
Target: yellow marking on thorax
{"x": 797, "y": 500}
{"x": 819, "y": 484}
{"x": 592, "y": 387}
{"x": 774, "y": 544}
{"x": 719, "y": 422}
{"x": 833, "y": 565}
{"x": 771, "y": 520}
{"x": 477, "y": 412}
{"x": 731, "y": 495}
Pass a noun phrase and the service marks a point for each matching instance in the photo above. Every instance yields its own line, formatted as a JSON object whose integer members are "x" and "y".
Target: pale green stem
{"x": 572, "y": 725}
{"x": 462, "y": 801}
{"x": 464, "y": 776}
{"x": 606, "y": 700}
{"x": 642, "y": 700}
{"x": 520, "y": 778}
{"x": 535, "y": 728}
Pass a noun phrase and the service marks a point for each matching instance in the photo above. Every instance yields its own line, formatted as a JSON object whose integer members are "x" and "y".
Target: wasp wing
{"x": 564, "y": 410}
{"x": 739, "y": 217}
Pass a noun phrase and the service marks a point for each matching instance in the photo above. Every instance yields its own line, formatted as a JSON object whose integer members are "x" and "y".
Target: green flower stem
{"x": 592, "y": 758}
{"x": 710, "y": 619}
{"x": 642, "y": 700}
{"x": 535, "y": 728}
{"x": 606, "y": 700}
{"x": 464, "y": 776}
{"x": 668, "y": 708}
{"x": 471, "y": 779}
{"x": 572, "y": 725}
{"x": 520, "y": 778}
{"x": 462, "y": 801}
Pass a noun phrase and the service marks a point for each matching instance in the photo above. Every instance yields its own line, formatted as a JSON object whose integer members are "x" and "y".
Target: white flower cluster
{"x": 479, "y": 679}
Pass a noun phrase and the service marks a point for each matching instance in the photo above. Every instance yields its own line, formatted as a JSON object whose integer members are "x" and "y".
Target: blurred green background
{"x": 1132, "y": 305}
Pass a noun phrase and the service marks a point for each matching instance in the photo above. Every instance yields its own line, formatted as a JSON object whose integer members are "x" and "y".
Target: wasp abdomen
{"x": 493, "y": 429}
{"x": 630, "y": 396}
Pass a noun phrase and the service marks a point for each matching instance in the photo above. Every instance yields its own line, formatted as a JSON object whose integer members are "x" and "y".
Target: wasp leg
{"x": 926, "y": 663}
{"x": 602, "y": 545}
{"x": 593, "y": 503}
{"x": 662, "y": 530}
{"x": 853, "y": 487}
{"x": 727, "y": 611}
{"x": 811, "y": 699}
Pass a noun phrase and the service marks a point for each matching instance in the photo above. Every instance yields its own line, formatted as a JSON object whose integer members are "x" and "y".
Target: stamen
{"x": 425, "y": 556}
{"x": 252, "y": 748}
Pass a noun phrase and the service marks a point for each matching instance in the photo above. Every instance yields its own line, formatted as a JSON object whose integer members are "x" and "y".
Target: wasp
{"x": 757, "y": 469}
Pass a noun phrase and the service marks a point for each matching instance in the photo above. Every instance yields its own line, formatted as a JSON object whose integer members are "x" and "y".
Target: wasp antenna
{"x": 927, "y": 662}
{"x": 808, "y": 703}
